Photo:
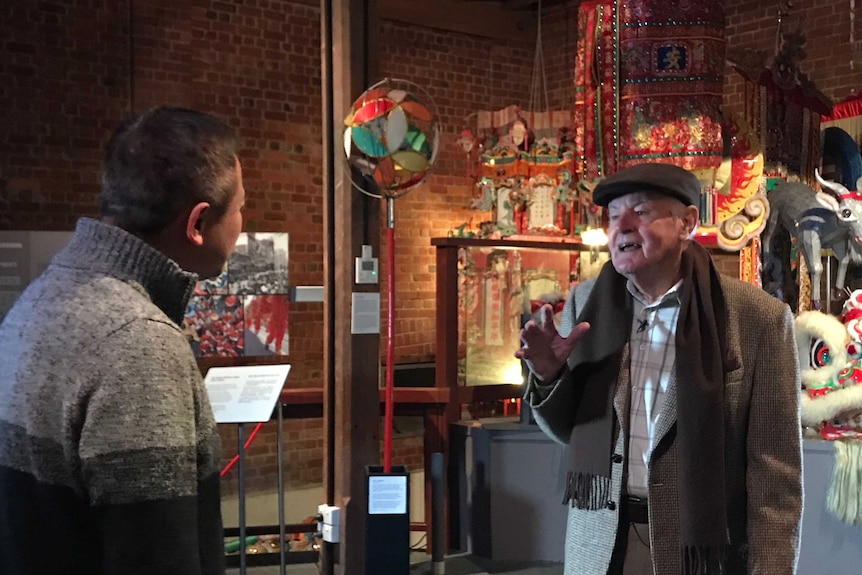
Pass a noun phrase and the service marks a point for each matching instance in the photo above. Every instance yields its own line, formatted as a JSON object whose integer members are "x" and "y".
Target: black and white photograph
{"x": 258, "y": 265}
{"x": 217, "y": 285}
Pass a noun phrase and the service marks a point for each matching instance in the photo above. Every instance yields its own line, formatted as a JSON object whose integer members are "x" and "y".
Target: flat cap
{"x": 662, "y": 178}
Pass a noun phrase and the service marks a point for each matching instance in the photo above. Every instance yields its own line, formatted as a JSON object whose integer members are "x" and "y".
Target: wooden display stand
{"x": 438, "y": 422}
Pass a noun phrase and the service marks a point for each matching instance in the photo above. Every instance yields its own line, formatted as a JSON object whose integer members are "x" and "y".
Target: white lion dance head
{"x": 830, "y": 357}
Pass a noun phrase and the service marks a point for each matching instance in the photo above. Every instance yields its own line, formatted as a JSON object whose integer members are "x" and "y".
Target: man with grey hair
{"x": 677, "y": 392}
{"x": 109, "y": 452}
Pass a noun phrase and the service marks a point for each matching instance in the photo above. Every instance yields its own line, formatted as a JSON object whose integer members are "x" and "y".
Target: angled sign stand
{"x": 250, "y": 394}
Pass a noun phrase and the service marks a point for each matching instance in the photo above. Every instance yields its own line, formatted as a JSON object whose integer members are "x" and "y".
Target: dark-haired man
{"x": 108, "y": 449}
{"x": 677, "y": 392}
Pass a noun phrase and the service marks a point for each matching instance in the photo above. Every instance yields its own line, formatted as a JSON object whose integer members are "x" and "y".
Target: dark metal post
{"x": 240, "y": 439}
{"x": 279, "y": 442}
{"x": 438, "y": 545}
{"x": 327, "y": 555}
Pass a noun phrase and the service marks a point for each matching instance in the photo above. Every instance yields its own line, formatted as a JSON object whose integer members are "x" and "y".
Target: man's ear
{"x": 195, "y": 223}
{"x": 691, "y": 218}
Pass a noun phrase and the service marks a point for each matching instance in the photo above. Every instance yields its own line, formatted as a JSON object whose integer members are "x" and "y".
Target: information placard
{"x": 23, "y": 256}
{"x": 387, "y": 494}
{"x": 245, "y": 394}
{"x": 365, "y": 313}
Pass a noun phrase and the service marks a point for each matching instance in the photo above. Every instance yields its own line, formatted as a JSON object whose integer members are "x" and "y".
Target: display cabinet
{"x": 486, "y": 290}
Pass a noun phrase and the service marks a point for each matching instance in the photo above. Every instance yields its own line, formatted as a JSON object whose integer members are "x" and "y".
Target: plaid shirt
{"x": 653, "y": 353}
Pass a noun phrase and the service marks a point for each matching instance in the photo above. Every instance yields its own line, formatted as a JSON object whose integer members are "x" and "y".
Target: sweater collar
{"x": 99, "y": 247}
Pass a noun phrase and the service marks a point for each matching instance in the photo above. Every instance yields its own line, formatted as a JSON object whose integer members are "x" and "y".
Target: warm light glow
{"x": 594, "y": 237}
{"x": 512, "y": 373}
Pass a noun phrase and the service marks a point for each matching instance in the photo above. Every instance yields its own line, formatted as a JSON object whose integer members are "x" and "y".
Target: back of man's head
{"x": 163, "y": 161}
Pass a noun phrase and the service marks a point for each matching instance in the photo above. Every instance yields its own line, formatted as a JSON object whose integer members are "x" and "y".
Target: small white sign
{"x": 7, "y": 300}
{"x": 245, "y": 394}
{"x": 365, "y": 316}
{"x": 23, "y": 256}
{"x": 387, "y": 495}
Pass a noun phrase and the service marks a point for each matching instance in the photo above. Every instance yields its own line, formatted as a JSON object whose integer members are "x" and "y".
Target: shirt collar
{"x": 671, "y": 296}
{"x": 102, "y": 248}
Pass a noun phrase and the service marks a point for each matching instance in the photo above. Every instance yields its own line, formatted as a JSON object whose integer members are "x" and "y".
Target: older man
{"x": 677, "y": 392}
{"x": 108, "y": 448}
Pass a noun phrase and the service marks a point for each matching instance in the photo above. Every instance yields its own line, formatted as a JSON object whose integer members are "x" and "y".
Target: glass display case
{"x": 498, "y": 286}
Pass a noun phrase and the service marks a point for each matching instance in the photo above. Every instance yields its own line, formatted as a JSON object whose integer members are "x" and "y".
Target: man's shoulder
{"x": 737, "y": 293}
{"x": 125, "y": 308}
{"x": 750, "y": 298}
{"x": 579, "y": 294}
{"x": 584, "y": 289}
{"x": 83, "y": 306}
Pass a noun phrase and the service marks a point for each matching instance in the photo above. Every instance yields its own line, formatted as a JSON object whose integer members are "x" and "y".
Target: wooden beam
{"x": 351, "y": 366}
{"x": 536, "y": 244}
{"x": 471, "y": 18}
{"x": 477, "y": 393}
{"x": 403, "y": 395}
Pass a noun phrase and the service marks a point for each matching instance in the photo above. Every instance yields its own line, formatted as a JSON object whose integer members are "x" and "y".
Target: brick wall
{"x": 560, "y": 31}
{"x": 753, "y": 24}
{"x": 727, "y": 263}
{"x": 64, "y": 73}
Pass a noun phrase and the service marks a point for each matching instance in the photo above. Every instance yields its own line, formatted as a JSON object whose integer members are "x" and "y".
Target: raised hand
{"x": 544, "y": 349}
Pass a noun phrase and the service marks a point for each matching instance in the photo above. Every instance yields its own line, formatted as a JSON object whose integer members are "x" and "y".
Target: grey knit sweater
{"x": 108, "y": 449}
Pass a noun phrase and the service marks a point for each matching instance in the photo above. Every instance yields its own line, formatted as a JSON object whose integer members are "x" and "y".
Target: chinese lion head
{"x": 830, "y": 357}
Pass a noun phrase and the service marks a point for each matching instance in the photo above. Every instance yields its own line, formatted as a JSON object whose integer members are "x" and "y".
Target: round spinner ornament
{"x": 391, "y": 136}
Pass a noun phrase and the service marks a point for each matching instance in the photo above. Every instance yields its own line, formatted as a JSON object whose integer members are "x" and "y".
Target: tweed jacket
{"x": 763, "y": 448}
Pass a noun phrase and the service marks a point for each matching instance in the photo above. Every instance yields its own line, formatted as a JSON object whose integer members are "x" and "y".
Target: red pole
{"x": 390, "y": 335}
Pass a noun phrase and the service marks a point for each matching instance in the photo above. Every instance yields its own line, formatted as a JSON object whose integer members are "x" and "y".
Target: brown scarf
{"x": 701, "y": 359}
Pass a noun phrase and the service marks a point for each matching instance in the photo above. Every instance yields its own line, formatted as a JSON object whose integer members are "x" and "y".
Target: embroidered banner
{"x": 649, "y": 79}
{"x": 672, "y": 75}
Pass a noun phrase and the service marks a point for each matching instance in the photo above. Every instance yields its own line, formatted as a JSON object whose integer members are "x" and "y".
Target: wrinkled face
{"x": 220, "y": 233}
{"x": 647, "y": 235}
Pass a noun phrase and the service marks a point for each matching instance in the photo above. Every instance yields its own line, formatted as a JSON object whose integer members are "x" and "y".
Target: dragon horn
{"x": 832, "y": 188}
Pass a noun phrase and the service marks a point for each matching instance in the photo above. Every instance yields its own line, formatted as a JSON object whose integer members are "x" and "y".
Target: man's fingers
{"x": 547, "y": 314}
{"x": 578, "y": 331}
{"x": 540, "y": 334}
{"x": 521, "y": 353}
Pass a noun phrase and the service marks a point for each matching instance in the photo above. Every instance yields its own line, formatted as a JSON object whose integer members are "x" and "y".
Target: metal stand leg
{"x": 240, "y": 439}
{"x": 438, "y": 545}
{"x": 280, "y": 455}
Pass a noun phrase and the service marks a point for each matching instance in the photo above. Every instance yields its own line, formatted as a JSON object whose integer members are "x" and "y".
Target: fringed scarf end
{"x": 699, "y": 560}
{"x": 587, "y": 491}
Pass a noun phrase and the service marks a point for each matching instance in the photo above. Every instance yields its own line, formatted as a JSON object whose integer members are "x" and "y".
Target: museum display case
{"x": 486, "y": 290}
